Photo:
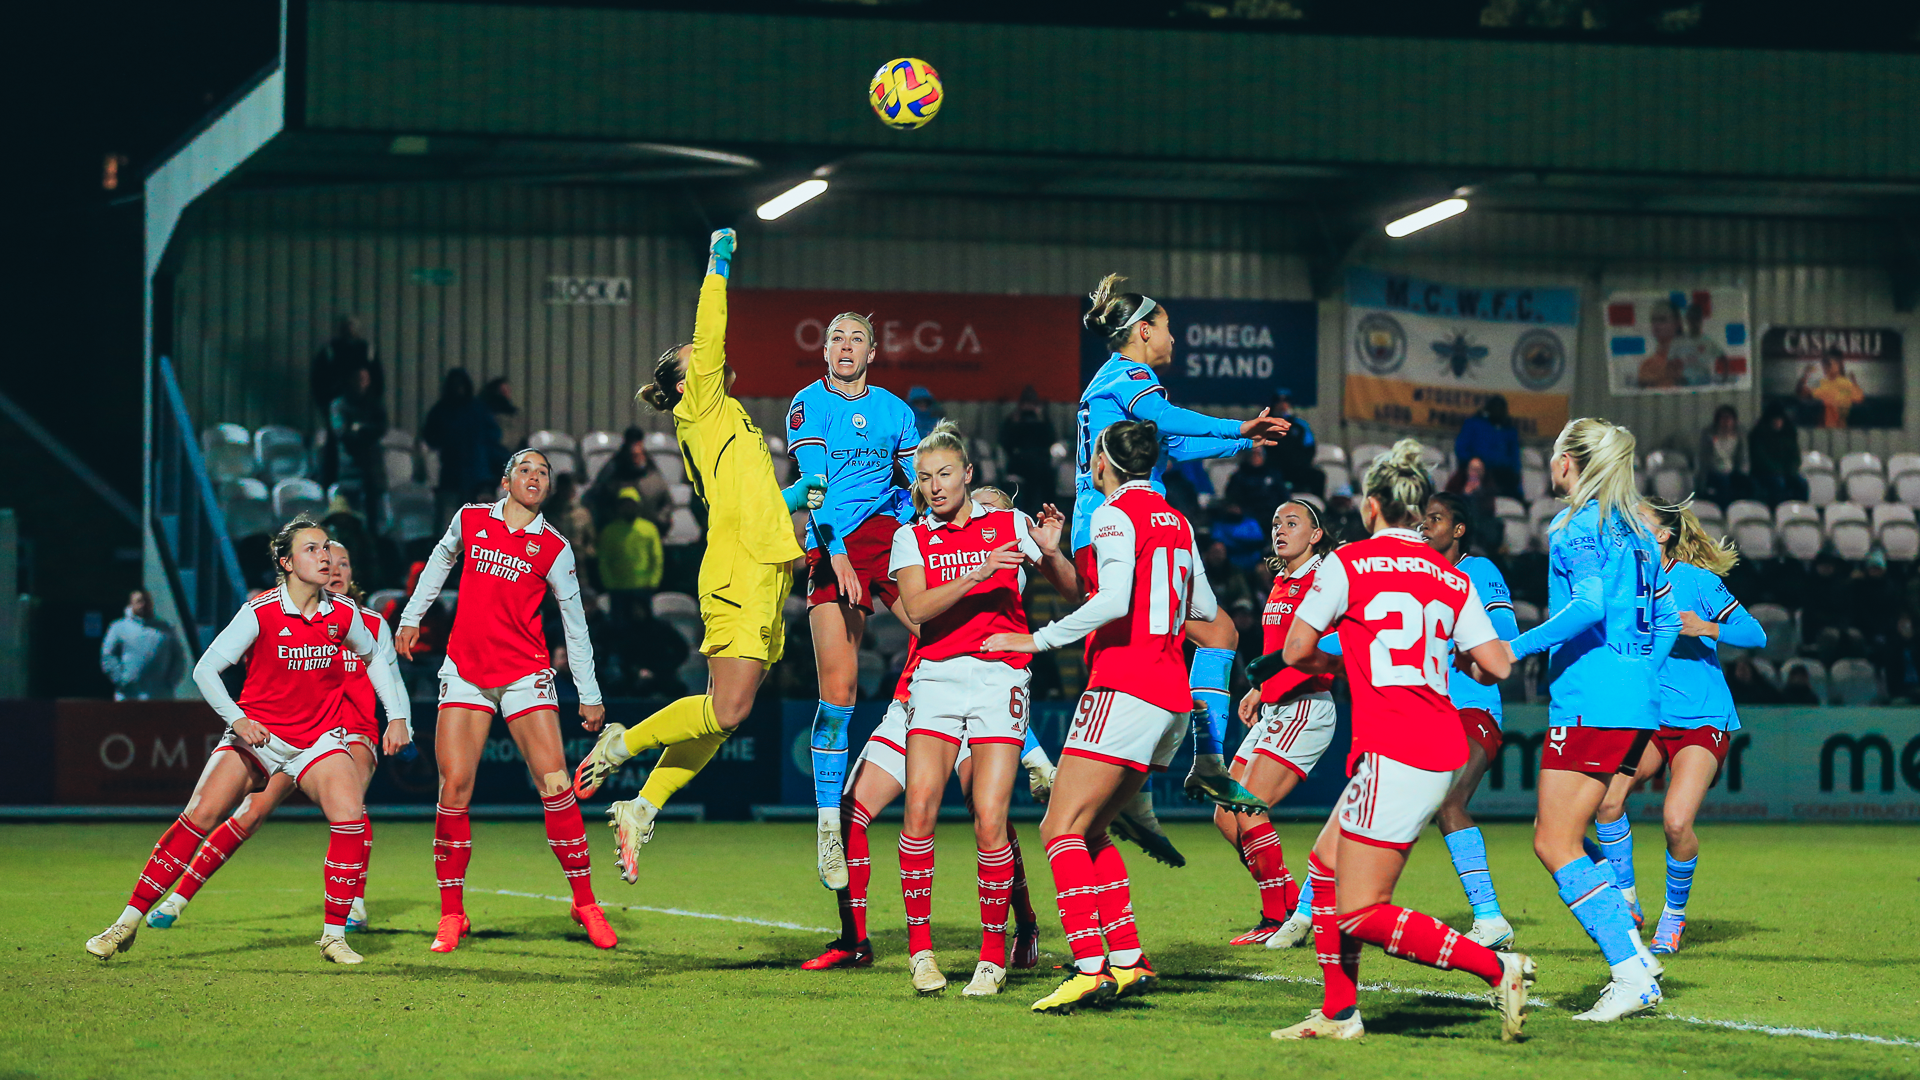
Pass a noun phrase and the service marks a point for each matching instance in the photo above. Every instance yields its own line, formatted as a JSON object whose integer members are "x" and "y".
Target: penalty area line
{"x": 1542, "y": 1003}
{"x": 676, "y": 911}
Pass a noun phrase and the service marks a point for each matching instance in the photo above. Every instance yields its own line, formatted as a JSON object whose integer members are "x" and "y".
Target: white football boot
{"x": 632, "y": 823}
{"x": 988, "y": 979}
{"x": 1297, "y": 930}
{"x": 1510, "y": 997}
{"x": 1625, "y": 996}
{"x": 1495, "y": 933}
{"x": 335, "y": 948}
{"x": 925, "y": 972}
{"x": 1318, "y": 1026}
{"x": 117, "y": 938}
{"x": 832, "y": 851}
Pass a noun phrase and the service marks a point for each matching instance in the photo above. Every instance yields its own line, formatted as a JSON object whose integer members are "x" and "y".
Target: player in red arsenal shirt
{"x": 1290, "y": 721}
{"x": 288, "y": 720}
{"x": 1399, "y": 610}
{"x": 1148, "y": 581}
{"x": 497, "y": 661}
{"x": 960, "y": 574}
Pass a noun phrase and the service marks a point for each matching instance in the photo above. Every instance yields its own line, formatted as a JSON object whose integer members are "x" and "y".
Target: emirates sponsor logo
{"x": 308, "y": 657}
{"x": 954, "y": 560}
{"x": 499, "y": 563}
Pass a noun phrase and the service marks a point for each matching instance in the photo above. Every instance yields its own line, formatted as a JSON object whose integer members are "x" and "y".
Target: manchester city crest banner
{"x": 1430, "y": 354}
{"x": 1680, "y": 341}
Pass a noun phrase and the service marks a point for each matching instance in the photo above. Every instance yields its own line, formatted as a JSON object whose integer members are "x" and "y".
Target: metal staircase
{"x": 187, "y": 523}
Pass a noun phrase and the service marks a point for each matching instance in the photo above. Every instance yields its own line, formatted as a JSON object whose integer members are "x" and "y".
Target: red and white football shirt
{"x": 1284, "y": 599}
{"x": 295, "y": 684}
{"x": 505, "y": 574}
{"x": 1399, "y": 609}
{"x": 358, "y": 715}
{"x": 949, "y": 550}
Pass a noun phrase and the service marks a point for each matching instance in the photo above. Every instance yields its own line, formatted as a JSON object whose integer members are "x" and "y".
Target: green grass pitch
{"x": 1807, "y": 927}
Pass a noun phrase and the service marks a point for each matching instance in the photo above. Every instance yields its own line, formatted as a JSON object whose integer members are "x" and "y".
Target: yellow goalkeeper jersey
{"x": 726, "y": 456}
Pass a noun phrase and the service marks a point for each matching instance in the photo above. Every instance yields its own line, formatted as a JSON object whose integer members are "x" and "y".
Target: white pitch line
{"x": 1543, "y": 1003}
{"x": 678, "y": 911}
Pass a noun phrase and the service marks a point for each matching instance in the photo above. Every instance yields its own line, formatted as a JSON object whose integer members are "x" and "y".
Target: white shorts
{"x": 1386, "y": 804}
{"x": 367, "y": 741}
{"x": 280, "y": 756}
{"x": 1121, "y": 729}
{"x": 529, "y": 693}
{"x": 969, "y": 700}
{"x": 1293, "y": 733}
{"x": 886, "y": 748}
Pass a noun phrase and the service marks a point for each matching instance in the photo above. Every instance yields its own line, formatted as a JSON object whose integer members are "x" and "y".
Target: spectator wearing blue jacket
{"x": 139, "y": 653}
{"x": 1490, "y": 436}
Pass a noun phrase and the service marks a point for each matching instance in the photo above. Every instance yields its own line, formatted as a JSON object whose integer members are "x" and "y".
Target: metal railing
{"x": 187, "y": 520}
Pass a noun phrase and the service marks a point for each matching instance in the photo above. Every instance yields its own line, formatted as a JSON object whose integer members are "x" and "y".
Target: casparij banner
{"x": 1678, "y": 341}
{"x": 1835, "y": 377}
{"x": 1429, "y": 354}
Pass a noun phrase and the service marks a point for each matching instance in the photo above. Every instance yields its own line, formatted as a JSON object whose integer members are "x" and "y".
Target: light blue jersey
{"x": 1124, "y": 389}
{"x": 1693, "y": 689}
{"x": 1465, "y": 691}
{"x": 1612, "y": 626}
{"x": 856, "y": 443}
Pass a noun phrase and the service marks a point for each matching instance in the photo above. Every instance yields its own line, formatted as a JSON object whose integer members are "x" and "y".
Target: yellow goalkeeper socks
{"x": 685, "y": 720}
{"x": 679, "y": 765}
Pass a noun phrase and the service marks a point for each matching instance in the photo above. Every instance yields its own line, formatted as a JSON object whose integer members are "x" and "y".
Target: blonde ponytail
{"x": 1688, "y": 541}
{"x": 1602, "y": 451}
{"x": 1398, "y": 480}
{"x": 944, "y": 436}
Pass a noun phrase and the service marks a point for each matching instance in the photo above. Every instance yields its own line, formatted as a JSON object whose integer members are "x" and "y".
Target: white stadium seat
{"x": 1433, "y": 458}
{"x": 248, "y": 507}
{"x": 228, "y": 450}
{"x": 1783, "y": 636}
{"x": 1754, "y": 537}
{"x": 596, "y": 448}
{"x": 683, "y": 528}
{"x": 1816, "y": 675}
{"x": 296, "y": 497}
{"x": 1852, "y": 681}
{"x": 1863, "y": 479}
{"x": 1338, "y": 478}
{"x": 1765, "y": 669}
{"x": 1526, "y": 614}
{"x": 1895, "y": 528}
{"x": 1798, "y": 526}
{"x": 1742, "y": 509}
{"x": 1325, "y": 453}
{"x": 411, "y": 514}
{"x": 671, "y": 465}
{"x": 1363, "y": 456}
{"x": 1518, "y": 535}
{"x": 1533, "y": 483}
{"x": 1903, "y": 472}
{"x": 675, "y": 603}
{"x": 1849, "y": 531}
{"x": 562, "y": 461}
{"x": 378, "y": 600}
{"x": 399, "y": 465}
{"x": 680, "y": 494}
{"x": 1312, "y": 500}
{"x": 1823, "y": 481}
{"x": 397, "y": 439}
{"x": 1509, "y": 508}
{"x": 1532, "y": 458}
{"x": 659, "y": 442}
{"x": 1219, "y": 470}
{"x": 552, "y": 440}
{"x": 279, "y": 453}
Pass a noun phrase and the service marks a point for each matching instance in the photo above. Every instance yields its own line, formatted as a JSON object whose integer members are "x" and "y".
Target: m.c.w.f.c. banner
{"x": 1430, "y": 354}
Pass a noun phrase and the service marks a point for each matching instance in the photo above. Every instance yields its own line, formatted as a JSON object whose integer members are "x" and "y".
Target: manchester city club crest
{"x": 859, "y": 420}
{"x": 1380, "y": 343}
{"x": 1539, "y": 359}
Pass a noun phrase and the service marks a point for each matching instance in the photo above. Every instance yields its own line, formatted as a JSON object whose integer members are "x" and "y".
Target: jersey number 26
{"x": 1428, "y": 629}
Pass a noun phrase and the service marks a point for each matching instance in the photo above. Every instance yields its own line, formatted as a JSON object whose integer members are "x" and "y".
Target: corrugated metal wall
{"x": 259, "y": 278}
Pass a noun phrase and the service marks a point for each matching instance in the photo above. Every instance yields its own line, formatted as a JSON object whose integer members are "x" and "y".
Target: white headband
{"x": 1145, "y": 309}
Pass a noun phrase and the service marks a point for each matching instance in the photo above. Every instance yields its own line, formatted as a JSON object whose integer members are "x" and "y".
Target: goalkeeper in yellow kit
{"x": 744, "y": 578}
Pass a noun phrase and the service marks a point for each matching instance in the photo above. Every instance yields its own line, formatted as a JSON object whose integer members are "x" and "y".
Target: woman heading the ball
{"x": 1138, "y": 332}
{"x": 745, "y": 575}
{"x": 363, "y": 741}
{"x": 288, "y": 720}
{"x": 497, "y": 661}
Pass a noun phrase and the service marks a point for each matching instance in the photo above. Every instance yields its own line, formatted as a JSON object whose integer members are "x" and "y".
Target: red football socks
{"x": 1114, "y": 895}
{"x": 567, "y": 836}
{"x": 1338, "y": 955}
{"x": 854, "y": 820}
{"x": 1022, "y": 903}
{"x": 1422, "y": 939}
{"x": 1260, "y": 850}
{"x": 996, "y": 883}
{"x": 360, "y": 890}
{"x": 1073, "y": 878}
{"x": 916, "y": 890}
{"x": 452, "y": 848}
{"x": 346, "y": 864}
{"x": 166, "y": 864}
{"x": 222, "y": 842}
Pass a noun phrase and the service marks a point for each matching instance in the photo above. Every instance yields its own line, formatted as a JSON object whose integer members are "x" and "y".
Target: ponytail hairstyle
{"x": 663, "y": 393}
{"x": 521, "y": 455}
{"x": 1688, "y": 541}
{"x": 280, "y": 546}
{"x": 1323, "y": 546}
{"x": 1114, "y": 313}
{"x": 944, "y": 436}
{"x": 354, "y": 592}
{"x": 1603, "y": 451}
{"x": 1398, "y": 480}
{"x": 1132, "y": 448}
{"x": 1463, "y": 515}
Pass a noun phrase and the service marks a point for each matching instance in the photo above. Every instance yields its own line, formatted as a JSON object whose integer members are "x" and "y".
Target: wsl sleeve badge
{"x": 905, "y": 93}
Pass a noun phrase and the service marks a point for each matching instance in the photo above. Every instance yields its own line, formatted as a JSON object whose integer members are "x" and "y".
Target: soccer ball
{"x": 905, "y": 93}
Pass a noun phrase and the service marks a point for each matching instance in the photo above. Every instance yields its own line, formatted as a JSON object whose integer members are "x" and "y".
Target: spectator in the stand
{"x": 926, "y": 411}
{"x": 1293, "y": 454}
{"x": 564, "y": 511}
{"x": 650, "y": 653}
{"x": 1343, "y": 520}
{"x": 1240, "y": 531}
{"x": 140, "y": 655}
{"x": 349, "y": 529}
{"x": 1875, "y": 597}
{"x": 1748, "y": 686}
{"x": 1257, "y": 487}
{"x": 1027, "y": 438}
{"x": 1491, "y": 436}
{"x": 1799, "y": 688}
{"x": 1228, "y": 583}
{"x": 332, "y": 372}
{"x": 357, "y": 421}
{"x": 467, "y": 439}
{"x": 1182, "y": 493}
{"x": 631, "y": 467}
{"x": 497, "y": 396}
{"x": 1473, "y": 482}
{"x": 1827, "y": 600}
{"x": 630, "y": 558}
{"x": 1773, "y": 457}
{"x": 1898, "y": 659}
{"x": 1721, "y": 464}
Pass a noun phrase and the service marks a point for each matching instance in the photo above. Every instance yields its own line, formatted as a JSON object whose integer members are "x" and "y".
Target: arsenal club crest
{"x": 333, "y": 631}
{"x": 988, "y": 534}
{"x": 533, "y": 548}
{"x": 1293, "y": 588}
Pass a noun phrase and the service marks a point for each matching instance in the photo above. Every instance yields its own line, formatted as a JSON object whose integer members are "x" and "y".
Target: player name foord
{"x": 308, "y": 657}
{"x": 1391, "y": 563}
{"x": 499, "y": 563}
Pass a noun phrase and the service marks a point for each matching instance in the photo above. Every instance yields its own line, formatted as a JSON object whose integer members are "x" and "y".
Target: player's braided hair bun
{"x": 1132, "y": 447}
{"x": 1113, "y": 312}
{"x": 663, "y": 392}
{"x": 1399, "y": 482}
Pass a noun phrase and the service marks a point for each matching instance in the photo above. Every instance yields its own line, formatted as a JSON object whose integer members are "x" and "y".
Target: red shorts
{"x": 1482, "y": 730}
{"x": 1594, "y": 749}
{"x": 1669, "y": 740}
{"x": 869, "y": 547}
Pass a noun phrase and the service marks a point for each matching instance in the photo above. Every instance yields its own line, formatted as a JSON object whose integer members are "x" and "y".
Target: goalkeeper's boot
{"x": 632, "y": 823}
{"x": 600, "y": 762}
